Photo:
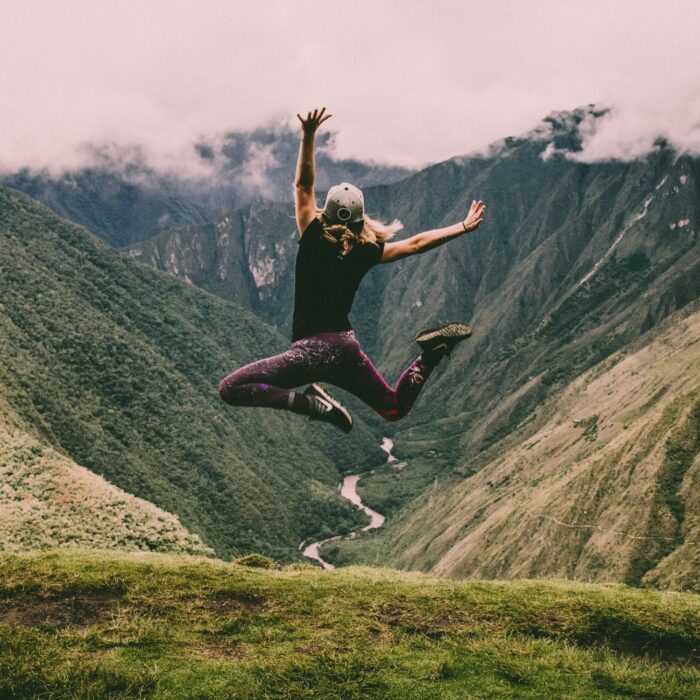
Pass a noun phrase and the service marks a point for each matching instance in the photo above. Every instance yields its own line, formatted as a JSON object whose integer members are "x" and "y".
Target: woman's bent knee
{"x": 226, "y": 387}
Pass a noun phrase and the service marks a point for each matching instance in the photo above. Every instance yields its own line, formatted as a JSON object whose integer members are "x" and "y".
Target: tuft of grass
{"x": 257, "y": 561}
{"x": 167, "y": 626}
{"x": 590, "y": 427}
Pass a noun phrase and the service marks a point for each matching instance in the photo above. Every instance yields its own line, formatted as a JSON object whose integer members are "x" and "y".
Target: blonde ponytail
{"x": 372, "y": 231}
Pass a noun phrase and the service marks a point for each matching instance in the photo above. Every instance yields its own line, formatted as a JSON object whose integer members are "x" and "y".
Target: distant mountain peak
{"x": 561, "y": 132}
{"x": 569, "y": 121}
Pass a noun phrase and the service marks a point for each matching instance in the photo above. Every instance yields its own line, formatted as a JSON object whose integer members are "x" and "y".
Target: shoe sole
{"x": 318, "y": 388}
{"x": 454, "y": 330}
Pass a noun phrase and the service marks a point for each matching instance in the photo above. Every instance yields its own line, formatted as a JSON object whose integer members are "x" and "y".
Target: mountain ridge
{"x": 121, "y": 198}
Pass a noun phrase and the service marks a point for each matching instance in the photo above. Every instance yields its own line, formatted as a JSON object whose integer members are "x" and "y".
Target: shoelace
{"x": 415, "y": 376}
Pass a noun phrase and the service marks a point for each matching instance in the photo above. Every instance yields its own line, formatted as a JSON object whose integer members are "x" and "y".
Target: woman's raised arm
{"x": 304, "y": 196}
{"x": 432, "y": 239}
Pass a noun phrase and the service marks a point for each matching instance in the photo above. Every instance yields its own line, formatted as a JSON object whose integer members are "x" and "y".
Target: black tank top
{"x": 326, "y": 282}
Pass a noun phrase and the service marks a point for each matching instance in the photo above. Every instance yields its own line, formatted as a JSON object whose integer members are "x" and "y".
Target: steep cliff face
{"x": 246, "y": 256}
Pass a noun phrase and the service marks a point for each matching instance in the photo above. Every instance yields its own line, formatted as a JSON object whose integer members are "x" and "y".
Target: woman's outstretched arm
{"x": 304, "y": 196}
{"x": 432, "y": 239}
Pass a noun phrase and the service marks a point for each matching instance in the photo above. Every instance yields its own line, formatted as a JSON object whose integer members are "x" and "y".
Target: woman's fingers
{"x": 319, "y": 118}
{"x": 314, "y": 119}
{"x": 474, "y": 208}
{"x": 477, "y": 207}
{"x": 475, "y": 215}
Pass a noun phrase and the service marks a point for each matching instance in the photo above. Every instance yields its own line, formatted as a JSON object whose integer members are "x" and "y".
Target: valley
{"x": 576, "y": 265}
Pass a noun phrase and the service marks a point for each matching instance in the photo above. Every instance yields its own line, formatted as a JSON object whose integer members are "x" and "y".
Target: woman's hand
{"x": 313, "y": 121}
{"x": 475, "y": 216}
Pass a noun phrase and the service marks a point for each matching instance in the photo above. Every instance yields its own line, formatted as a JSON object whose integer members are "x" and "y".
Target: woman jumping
{"x": 337, "y": 246}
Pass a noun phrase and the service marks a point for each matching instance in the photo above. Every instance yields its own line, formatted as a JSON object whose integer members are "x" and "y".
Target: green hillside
{"x": 116, "y": 366}
{"x": 99, "y": 625}
{"x": 46, "y": 500}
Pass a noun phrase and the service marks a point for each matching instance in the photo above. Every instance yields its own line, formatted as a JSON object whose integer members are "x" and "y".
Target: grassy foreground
{"x": 77, "y": 624}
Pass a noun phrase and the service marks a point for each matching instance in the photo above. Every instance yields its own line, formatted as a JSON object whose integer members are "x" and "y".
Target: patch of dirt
{"x": 219, "y": 649}
{"x": 435, "y": 624}
{"x": 312, "y": 648}
{"x": 77, "y": 610}
{"x": 234, "y": 601}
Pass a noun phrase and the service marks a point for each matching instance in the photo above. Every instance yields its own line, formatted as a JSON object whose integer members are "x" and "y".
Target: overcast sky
{"x": 407, "y": 82}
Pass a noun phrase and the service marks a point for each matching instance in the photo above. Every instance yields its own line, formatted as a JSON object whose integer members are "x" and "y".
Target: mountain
{"x": 95, "y": 624}
{"x": 574, "y": 262}
{"x": 118, "y": 206}
{"x": 116, "y": 366}
{"x": 600, "y": 484}
{"x": 122, "y": 199}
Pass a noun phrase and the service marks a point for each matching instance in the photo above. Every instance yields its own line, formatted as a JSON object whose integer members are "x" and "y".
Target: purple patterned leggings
{"x": 335, "y": 358}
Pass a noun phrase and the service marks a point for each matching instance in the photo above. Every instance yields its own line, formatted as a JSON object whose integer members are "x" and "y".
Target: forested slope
{"x": 116, "y": 366}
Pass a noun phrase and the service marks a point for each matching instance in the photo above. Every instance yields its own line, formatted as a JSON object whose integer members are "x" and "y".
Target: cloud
{"x": 407, "y": 82}
{"x": 628, "y": 132}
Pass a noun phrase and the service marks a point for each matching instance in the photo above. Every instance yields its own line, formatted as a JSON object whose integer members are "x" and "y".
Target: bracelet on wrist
{"x": 464, "y": 227}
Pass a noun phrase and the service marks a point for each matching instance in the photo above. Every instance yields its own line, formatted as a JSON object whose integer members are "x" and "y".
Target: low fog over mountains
{"x": 122, "y": 199}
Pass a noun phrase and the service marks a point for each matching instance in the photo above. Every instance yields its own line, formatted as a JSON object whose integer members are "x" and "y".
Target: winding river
{"x": 348, "y": 489}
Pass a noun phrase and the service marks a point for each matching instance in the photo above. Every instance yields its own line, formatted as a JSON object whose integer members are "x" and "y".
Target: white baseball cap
{"x": 345, "y": 204}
